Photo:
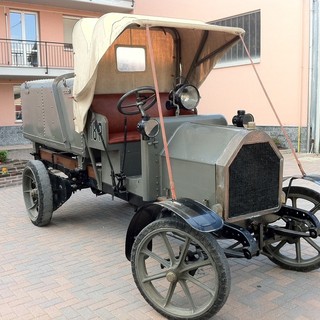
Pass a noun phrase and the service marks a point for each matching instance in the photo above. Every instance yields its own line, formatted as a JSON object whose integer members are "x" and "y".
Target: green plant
{"x": 277, "y": 142}
{"x": 3, "y": 155}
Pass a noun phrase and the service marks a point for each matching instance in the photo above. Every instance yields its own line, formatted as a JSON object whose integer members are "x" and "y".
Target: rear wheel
{"x": 181, "y": 272}
{"x": 297, "y": 253}
{"x": 37, "y": 193}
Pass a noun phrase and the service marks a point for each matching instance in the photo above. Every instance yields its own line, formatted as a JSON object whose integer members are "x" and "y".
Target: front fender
{"x": 315, "y": 178}
{"x": 194, "y": 213}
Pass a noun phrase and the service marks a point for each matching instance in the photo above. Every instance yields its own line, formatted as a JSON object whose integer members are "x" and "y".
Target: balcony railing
{"x": 35, "y": 54}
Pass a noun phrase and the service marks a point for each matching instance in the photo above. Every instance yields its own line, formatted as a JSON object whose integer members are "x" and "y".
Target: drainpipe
{"x": 314, "y": 100}
{"x": 6, "y": 23}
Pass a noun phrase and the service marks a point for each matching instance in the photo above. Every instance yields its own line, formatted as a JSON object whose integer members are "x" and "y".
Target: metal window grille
{"x": 251, "y": 23}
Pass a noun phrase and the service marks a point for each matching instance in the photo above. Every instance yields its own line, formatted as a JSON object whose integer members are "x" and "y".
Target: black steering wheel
{"x": 145, "y": 98}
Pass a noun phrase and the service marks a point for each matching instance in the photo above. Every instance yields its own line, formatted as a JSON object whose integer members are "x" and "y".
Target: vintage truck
{"x": 125, "y": 123}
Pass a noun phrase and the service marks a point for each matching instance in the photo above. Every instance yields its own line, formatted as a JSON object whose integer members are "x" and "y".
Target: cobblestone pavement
{"x": 76, "y": 269}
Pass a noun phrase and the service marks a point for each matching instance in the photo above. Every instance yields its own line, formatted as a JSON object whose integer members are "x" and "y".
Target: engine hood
{"x": 237, "y": 169}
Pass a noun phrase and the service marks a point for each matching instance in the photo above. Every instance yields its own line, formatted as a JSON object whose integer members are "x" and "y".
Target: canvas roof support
{"x": 93, "y": 37}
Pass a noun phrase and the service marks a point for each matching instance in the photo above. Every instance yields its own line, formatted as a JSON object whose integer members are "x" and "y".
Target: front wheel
{"x": 37, "y": 193}
{"x": 181, "y": 272}
{"x": 297, "y": 253}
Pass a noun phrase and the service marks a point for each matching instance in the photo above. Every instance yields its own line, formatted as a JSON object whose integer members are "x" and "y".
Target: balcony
{"x": 34, "y": 59}
{"x": 102, "y": 6}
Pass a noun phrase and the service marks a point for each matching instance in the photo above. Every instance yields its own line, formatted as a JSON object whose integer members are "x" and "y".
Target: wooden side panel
{"x": 59, "y": 159}
{"x": 65, "y": 161}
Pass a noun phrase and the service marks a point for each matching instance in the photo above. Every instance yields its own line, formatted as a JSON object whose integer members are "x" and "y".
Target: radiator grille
{"x": 254, "y": 180}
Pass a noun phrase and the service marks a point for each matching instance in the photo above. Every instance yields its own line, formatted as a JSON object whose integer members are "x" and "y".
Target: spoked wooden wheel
{"x": 298, "y": 253}
{"x": 37, "y": 193}
{"x": 182, "y": 273}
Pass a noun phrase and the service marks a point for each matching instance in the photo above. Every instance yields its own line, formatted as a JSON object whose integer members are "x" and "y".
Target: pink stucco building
{"x": 35, "y": 42}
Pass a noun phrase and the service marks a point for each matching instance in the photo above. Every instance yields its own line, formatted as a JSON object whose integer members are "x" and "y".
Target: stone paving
{"x": 76, "y": 269}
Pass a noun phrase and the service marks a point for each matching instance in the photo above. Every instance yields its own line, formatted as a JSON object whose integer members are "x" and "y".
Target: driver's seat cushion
{"x": 106, "y": 104}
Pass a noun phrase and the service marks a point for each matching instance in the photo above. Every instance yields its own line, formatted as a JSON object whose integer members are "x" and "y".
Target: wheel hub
{"x": 171, "y": 276}
{"x": 34, "y": 192}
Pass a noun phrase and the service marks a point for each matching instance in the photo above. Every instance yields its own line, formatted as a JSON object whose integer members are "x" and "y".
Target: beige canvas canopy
{"x": 202, "y": 44}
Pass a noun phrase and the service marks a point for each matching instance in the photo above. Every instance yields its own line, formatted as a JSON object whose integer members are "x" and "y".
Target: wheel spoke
{"x": 313, "y": 244}
{"x": 169, "y": 295}
{"x": 30, "y": 176}
{"x": 28, "y": 191}
{"x": 169, "y": 247}
{"x": 184, "y": 251}
{"x": 157, "y": 276}
{"x": 315, "y": 209}
{"x": 298, "y": 251}
{"x": 33, "y": 206}
{"x": 201, "y": 285}
{"x": 188, "y": 294}
{"x": 277, "y": 248}
{"x": 151, "y": 254}
{"x": 195, "y": 265}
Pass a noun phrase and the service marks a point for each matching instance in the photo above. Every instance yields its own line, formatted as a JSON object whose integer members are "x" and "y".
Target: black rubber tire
{"x": 37, "y": 193}
{"x": 298, "y": 263}
{"x": 181, "y": 273}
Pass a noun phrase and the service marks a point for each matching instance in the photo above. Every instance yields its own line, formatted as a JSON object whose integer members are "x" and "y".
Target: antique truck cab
{"x": 126, "y": 124}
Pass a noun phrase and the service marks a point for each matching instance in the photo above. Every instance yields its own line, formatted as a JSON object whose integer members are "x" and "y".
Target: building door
{"x": 24, "y": 36}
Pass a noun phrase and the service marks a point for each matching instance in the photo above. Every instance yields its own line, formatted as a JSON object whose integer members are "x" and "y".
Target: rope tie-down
{"x": 273, "y": 109}
{"x": 163, "y": 131}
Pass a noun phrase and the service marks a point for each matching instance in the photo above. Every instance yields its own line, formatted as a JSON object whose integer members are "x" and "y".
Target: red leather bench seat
{"x": 106, "y": 104}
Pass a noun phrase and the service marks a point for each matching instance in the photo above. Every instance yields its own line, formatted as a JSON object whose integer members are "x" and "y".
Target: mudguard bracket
{"x": 312, "y": 224}
{"x": 249, "y": 244}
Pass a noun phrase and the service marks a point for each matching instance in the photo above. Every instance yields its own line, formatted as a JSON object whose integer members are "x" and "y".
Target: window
{"x": 17, "y": 103}
{"x": 24, "y": 35}
{"x": 250, "y": 22}
{"x": 131, "y": 59}
{"x": 68, "y": 25}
